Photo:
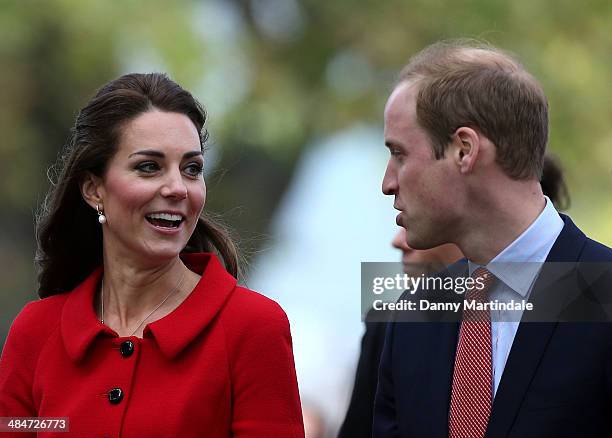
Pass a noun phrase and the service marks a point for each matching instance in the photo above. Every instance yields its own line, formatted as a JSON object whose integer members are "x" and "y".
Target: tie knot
{"x": 483, "y": 282}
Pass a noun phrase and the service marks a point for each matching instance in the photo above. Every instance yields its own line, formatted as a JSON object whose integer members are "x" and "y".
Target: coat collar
{"x": 172, "y": 333}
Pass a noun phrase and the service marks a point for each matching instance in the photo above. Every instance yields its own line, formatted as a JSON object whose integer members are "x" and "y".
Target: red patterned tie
{"x": 471, "y": 396}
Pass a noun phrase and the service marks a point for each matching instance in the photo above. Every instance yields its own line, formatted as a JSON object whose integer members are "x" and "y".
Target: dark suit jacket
{"x": 557, "y": 380}
{"x": 358, "y": 420}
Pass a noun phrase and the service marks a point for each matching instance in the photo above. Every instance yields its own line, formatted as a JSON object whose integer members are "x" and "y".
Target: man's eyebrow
{"x": 159, "y": 154}
{"x": 391, "y": 144}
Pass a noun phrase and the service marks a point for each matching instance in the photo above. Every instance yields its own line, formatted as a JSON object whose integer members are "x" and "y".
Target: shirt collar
{"x": 519, "y": 263}
{"x": 172, "y": 333}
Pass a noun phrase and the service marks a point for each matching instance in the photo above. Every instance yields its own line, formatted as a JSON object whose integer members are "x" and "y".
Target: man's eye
{"x": 194, "y": 169}
{"x": 395, "y": 151}
{"x": 147, "y": 167}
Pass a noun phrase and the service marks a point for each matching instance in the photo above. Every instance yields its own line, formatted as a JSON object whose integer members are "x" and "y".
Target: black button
{"x": 115, "y": 396}
{"x": 126, "y": 348}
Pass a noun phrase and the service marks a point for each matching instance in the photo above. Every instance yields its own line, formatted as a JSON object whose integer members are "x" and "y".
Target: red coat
{"x": 219, "y": 365}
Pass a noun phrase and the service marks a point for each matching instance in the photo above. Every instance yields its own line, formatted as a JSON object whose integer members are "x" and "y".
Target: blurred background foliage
{"x": 276, "y": 76}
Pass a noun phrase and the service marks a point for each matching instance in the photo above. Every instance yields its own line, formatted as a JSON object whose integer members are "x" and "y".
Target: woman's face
{"x": 153, "y": 190}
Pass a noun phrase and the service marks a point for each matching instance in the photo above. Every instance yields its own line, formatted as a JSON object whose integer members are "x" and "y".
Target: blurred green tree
{"x": 277, "y": 75}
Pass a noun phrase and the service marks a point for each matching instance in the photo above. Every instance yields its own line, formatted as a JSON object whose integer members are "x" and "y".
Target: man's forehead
{"x": 402, "y": 96}
{"x": 401, "y": 102}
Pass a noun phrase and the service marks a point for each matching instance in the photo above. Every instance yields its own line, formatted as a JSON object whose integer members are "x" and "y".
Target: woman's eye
{"x": 193, "y": 169}
{"x": 147, "y": 167}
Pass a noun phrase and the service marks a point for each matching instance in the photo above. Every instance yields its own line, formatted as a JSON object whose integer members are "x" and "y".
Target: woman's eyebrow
{"x": 159, "y": 154}
{"x": 192, "y": 154}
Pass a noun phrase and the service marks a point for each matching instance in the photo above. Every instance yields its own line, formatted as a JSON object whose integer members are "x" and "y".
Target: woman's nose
{"x": 174, "y": 186}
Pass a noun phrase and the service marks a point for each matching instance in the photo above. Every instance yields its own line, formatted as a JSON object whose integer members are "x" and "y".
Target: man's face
{"x": 426, "y": 190}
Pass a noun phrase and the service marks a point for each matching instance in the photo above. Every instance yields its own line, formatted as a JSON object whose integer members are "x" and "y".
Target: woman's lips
{"x": 166, "y": 230}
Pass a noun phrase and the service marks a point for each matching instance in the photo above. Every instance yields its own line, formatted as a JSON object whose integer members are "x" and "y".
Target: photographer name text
{"x": 427, "y": 305}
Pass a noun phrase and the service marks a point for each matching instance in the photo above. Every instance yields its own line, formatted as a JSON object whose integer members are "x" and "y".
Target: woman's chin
{"x": 160, "y": 253}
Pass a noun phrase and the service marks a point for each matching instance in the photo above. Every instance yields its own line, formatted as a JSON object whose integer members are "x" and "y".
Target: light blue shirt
{"x": 516, "y": 269}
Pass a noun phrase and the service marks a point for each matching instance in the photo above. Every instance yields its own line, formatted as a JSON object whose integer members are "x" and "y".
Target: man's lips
{"x": 398, "y": 219}
{"x": 399, "y": 216}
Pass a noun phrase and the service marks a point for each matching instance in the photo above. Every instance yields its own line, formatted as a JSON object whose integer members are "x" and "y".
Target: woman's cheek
{"x": 200, "y": 199}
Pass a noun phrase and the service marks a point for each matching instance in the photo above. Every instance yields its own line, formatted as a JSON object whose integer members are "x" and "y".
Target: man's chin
{"x": 420, "y": 241}
{"x": 417, "y": 244}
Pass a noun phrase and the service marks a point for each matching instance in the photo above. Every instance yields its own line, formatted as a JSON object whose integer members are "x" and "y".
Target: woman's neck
{"x": 135, "y": 295}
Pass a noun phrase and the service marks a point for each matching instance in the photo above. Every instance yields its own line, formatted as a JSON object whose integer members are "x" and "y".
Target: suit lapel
{"x": 438, "y": 387}
{"x": 532, "y": 338}
{"x": 527, "y": 350}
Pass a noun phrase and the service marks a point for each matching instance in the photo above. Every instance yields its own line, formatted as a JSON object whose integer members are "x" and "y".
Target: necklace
{"x": 176, "y": 288}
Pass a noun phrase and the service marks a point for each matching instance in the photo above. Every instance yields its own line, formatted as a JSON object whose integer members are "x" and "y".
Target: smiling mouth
{"x": 165, "y": 220}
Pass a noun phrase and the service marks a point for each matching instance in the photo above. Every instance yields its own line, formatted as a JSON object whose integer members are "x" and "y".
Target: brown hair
{"x": 68, "y": 235}
{"x": 469, "y": 83}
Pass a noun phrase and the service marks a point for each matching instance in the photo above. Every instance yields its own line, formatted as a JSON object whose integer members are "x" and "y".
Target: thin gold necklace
{"x": 175, "y": 289}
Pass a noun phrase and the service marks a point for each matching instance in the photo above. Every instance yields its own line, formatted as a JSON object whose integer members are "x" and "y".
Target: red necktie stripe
{"x": 472, "y": 392}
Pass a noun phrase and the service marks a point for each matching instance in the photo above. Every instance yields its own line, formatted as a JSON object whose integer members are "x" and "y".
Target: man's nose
{"x": 389, "y": 183}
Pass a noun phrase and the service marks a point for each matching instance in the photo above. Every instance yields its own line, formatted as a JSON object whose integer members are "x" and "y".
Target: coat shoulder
{"x": 251, "y": 310}
{"x": 32, "y": 327}
{"x": 39, "y": 317}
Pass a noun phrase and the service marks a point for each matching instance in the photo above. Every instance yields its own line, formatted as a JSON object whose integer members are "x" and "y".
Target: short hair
{"x": 470, "y": 83}
{"x": 68, "y": 234}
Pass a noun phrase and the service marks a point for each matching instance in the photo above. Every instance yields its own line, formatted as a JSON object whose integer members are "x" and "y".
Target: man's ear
{"x": 466, "y": 147}
{"x": 91, "y": 190}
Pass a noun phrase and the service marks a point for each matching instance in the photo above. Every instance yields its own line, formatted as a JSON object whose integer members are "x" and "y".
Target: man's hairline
{"x": 416, "y": 81}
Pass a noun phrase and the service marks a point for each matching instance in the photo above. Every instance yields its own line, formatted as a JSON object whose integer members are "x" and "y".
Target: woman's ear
{"x": 91, "y": 190}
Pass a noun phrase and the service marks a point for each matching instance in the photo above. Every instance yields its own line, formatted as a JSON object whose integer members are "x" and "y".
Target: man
{"x": 359, "y": 416}
{"x": 467, "y": 128}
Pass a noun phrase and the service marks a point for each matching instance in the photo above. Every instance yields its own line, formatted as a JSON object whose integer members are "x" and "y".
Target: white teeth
{"x": 166, "y": 216}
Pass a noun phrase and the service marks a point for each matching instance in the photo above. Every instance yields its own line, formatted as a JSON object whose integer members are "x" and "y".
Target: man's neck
{"x": 494, "y": 226}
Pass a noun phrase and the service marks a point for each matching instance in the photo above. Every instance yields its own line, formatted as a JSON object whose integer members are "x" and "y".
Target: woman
{"x": 142, "y": 332}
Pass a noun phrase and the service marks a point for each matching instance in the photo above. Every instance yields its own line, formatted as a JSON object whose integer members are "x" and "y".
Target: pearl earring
{"x": 101, "y": 217}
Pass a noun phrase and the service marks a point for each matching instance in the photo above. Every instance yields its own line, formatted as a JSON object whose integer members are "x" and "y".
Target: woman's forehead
{"x": 159, "y": 130}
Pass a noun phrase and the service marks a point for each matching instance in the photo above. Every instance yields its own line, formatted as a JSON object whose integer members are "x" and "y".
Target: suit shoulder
{"x": 595, "y": 252}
